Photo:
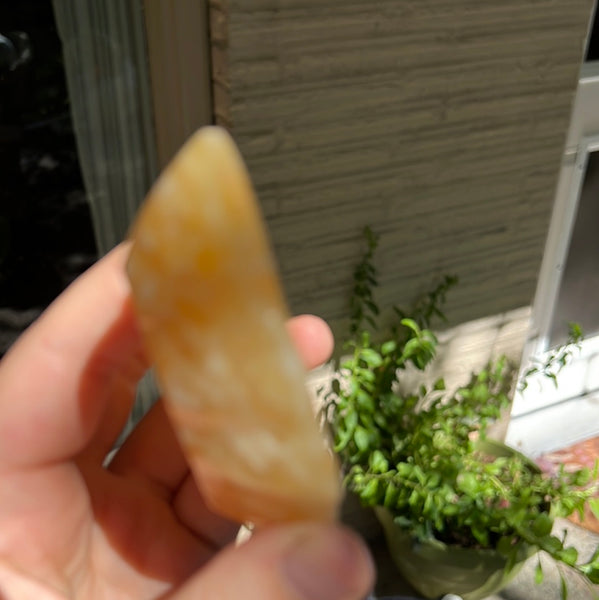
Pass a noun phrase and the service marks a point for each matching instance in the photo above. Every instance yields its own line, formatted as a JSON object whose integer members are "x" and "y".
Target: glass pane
{"x": 578, "y": 298}
{"x": 46, "y": 236}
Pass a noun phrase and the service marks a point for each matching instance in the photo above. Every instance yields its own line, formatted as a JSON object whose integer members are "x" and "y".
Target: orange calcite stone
{"x": 213, "y": 315}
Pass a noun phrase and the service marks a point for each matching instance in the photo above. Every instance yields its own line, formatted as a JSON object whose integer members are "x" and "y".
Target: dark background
{"x": 46, "y": 236}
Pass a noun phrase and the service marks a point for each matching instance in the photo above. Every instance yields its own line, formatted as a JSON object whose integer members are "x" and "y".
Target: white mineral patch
{"x": 258, "y": 448}
{"x": 216, "y": 365}
{"x": 165, "y": 186}
{"x": 179, "y": 394}
{"x": 269, "y": 318}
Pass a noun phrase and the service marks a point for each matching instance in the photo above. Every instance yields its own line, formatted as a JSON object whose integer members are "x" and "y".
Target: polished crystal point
{"x": 213, "y": 315}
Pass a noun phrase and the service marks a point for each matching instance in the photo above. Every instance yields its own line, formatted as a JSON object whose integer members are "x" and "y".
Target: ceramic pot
{"x": 435, "y": 569}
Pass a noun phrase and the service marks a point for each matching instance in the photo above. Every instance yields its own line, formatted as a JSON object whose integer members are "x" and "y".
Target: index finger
{"x": 82, "y": 358}
{"x": 69, "y": 382}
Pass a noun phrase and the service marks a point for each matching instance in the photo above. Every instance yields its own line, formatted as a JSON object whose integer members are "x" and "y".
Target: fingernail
{"x": 329, "y": 564}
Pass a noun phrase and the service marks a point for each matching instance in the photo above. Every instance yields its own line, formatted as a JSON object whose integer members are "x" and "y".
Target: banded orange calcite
{"x": 212, "y": 315}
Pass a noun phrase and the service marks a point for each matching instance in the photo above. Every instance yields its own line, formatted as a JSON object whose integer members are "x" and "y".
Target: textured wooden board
{"x": 440, "y": 123}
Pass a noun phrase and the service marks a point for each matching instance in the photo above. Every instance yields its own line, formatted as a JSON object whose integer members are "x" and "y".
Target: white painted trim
{"x": 554, "y": 427}
{"x": 574, "y": 380}
{"x": 545, "y": 418}
{"x": 558, "y": 242}
{"x": 583, "y": 137}
{"x": 562, "y": 244}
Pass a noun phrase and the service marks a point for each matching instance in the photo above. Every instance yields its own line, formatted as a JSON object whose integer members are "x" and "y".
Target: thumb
{"x": 292, "y": 562}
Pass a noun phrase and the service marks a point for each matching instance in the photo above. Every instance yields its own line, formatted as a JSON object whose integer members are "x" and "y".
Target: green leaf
{"x": 433, "y": 481}
{"x": 404, "y": 470}
{"x": 480, "y": 393}
{"x": 411, "y": 324}
{"x": 351, "y": 420}
{"x": 595, "y": 557}
{"x": 380, "y": 419}
{"x": 582, "y": 477}
{"x": 575, "y": 333}
{"x": 551, "y": 545}
{"x": 428, "y": 504}
{"x": 367, "y": 375}
{"x": 467, "y": 483}
{"x": 371, "y": 357}
{"x": 440, "y": 385}
{"x": 591, "y": 572}
{"x": 361, "y": 438}
{"x": 370, "y": 492}
{"x": 378, "y": 462}
{"x": 563, "y": 587}
{"x": 594, "y": 506}
{"x": 539, "y": 572}
{"x": 505, "y": 545}
{"x": 542, "y": 525}
{"x": 345, "y": 431}
{"x": 411, "y": 347}
{"x": 569, "y": 556}
{"x": 499, "y": 367}
{"x": 414, "y": 499}
{"x": 391, "y": 494}
{"x": 442, "y": 440}
{"x": 481, "y": 535}
{"x": 388, "y": 347}
{"x": 418, "y": 473}
{"x": 449, "y": 510}
{"x": 365, "y": 401}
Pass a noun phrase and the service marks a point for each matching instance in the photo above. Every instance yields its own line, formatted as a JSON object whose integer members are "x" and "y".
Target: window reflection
{"x": 579, "y": 291}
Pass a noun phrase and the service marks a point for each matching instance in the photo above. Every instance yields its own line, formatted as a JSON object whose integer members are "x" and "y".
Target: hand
{"x": 72, "y": 528}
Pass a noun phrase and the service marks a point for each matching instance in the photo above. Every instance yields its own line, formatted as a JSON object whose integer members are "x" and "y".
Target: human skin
{"x": 71, "y": 527}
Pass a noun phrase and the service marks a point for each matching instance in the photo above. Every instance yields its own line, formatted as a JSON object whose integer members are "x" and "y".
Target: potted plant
{"x": 443, "y": 491}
